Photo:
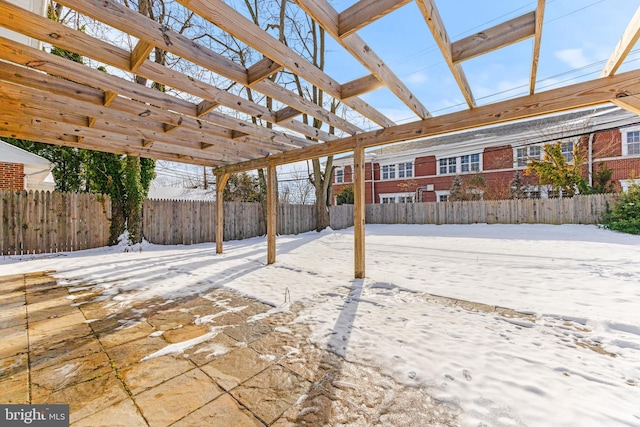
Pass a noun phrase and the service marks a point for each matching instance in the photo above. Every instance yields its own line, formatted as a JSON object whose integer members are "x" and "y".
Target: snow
{"x": 568, "y": 355}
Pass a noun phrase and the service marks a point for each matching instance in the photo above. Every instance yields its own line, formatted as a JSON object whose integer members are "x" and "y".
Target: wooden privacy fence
{"x": 45, "y": 222}
{"x": 575, "y": 210}
{"x": 172, "y": 222}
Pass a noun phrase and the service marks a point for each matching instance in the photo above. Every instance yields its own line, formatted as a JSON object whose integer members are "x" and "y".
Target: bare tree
{"x": 297, "y": 188}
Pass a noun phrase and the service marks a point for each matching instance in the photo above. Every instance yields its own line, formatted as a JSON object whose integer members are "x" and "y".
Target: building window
{"x": 339, "y": 176}
{"x": 442, "y": 195}
{"x": 397, "y": 198}
{"x": 470, "y": 163}
{"x": 632, "y": 142}
{"x": 405, "y": 170}
{"x": 388, "y": 171}
{"x": 448, "y": 165}
{"x": 567, "y": 150}
{"x": 526, "y": 154}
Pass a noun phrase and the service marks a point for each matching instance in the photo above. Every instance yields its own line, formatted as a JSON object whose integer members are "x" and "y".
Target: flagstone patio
{"x": 199, "y": 360}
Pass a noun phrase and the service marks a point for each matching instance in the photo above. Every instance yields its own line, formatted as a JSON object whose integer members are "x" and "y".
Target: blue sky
{"x": 578, "y": 36}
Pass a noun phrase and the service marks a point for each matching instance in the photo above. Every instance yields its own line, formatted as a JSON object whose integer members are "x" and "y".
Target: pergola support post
{"x": 272, "y": 213}
{"x": 358, "y": 211}
{"x": 221, "y": 182}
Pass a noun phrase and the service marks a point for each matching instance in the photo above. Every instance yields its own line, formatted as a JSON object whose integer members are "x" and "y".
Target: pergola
{"x": 51, "y": 99}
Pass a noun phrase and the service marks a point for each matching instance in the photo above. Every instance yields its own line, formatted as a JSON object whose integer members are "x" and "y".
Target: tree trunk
{"x": 118, "y": 221}
{"x": 322, "y": 184}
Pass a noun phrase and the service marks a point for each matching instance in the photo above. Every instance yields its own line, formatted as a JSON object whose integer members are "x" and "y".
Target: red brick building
{"x": 21, "y": 170}
{"x": 424, "y": 170}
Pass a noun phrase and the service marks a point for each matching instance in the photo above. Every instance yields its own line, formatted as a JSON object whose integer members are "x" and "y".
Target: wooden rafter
{"x": 359, "y": 86}
{"x": 629, "y": 38}
{"x": 225, "y": 17}
{"x": 365, "y": 12}
{"x": 124, "y": 19}
{"x": 74, "y": 104}
{"x": 537, "y": 40}
{"x": 139, "y": 54}
{"x": 512, "y": 31}
{"x": 629, "y": 103}
{"x": 327, "y": 17}
{"x": 439, "y": 32}
{"x": 585, "y": 94}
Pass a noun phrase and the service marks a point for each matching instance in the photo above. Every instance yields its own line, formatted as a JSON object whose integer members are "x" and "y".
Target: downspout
{"x": 373, "y": 183}
{"x": 590, "y": 160}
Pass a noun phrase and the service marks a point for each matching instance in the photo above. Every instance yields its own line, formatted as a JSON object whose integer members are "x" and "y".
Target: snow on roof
{"x": 13, "y": 154}
{"x": 160, "y": 192}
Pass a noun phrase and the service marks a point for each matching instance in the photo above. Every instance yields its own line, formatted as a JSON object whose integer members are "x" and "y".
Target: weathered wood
{"x": 629, "y": 103}
{"x": 584, "y": 94}
{"x": 35, "y": 222}
{"x": 499, "y": 36}
{"x": 272, "y": 213}
{"x": 262, "y": 70}
{"x": 20, "y": 20}
{"x": 627, "y": 41}
{"x": 576, "y": 210}
{"x": 359, "y": 86}
{"x": 439, "y": 32}
{"x": 327, "y": 17}
{"x": 139, "y": 54}
{"x": 221, "y": 182}
{"x": 359, "y": 212}
{"x": 536, "y": 46}
{"x": 364, "y": 13}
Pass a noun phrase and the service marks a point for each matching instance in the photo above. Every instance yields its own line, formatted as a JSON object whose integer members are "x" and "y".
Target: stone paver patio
{"x": 114, "y": 365}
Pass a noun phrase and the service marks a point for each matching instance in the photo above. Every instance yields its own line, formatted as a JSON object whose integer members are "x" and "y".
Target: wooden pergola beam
{"x": 579, "y": 95}
{"x": 262, "y": 70}
{"x": 327, "y": 17}
{"x": 221, "y": 182}
{"x": 439, "y": 32}
{"x": 364, "y": 13}
{"x": 127, "y": 20}
{"x": 501, "y": 35}
{"x": 359, "y": 211}
{"x": 360, "y": 86}
{"x": 272, "y": 213}
{"x": 627, "y": 41}
{"x": 537, "y": 40}
{"x": 140, "y": 53}
{"x": 629, "y": 103}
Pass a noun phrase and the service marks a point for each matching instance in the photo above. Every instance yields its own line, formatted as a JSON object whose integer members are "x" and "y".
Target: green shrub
{"x": 625, "y": 215}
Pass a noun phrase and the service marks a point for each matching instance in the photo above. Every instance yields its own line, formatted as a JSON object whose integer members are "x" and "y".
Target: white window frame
{"x": 625, "y": 141}
{"x": 531, "y": 152}
{"x": 405, "y": 170}
{"x": 397, "y": 197}
{"x": 339, "y": 176}
{"x": 473, "y": 165}
{"x": 454, "y": 164}
{"x": 626, "y": 183}
{"x": 442, "y": 193}
{"x": 388, "y": 172}
{"x": 446, "y": 162}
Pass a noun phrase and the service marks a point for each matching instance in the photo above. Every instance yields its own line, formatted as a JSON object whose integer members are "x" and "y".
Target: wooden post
{"x": 221, "y": 182}
{"x": 358, "y": 211}
{"x": 272, "y": 214}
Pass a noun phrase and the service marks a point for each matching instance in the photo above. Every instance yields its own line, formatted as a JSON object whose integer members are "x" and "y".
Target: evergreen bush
{"x": 625, "y": 215}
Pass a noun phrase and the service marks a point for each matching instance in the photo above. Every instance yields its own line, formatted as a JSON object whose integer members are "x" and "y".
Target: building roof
{"x": 12, "y": 154}
{"x": 539, "y": 130}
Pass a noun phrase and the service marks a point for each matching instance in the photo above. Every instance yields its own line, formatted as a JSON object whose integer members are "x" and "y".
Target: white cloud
{"x": 417, "y": 78}
{"x": 572, "y": 57}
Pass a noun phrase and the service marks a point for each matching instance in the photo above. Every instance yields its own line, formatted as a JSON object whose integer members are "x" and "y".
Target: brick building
{"x": 424, "y": 170}
{"x": 21, "y": 170}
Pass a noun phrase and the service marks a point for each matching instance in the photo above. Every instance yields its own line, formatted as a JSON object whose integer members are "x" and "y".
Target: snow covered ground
{"x": 571, "y": 359}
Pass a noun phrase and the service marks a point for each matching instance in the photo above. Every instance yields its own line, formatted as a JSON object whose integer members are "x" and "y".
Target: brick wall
{"x": 500, "y": 157}
{"x": 11, "y": 176}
